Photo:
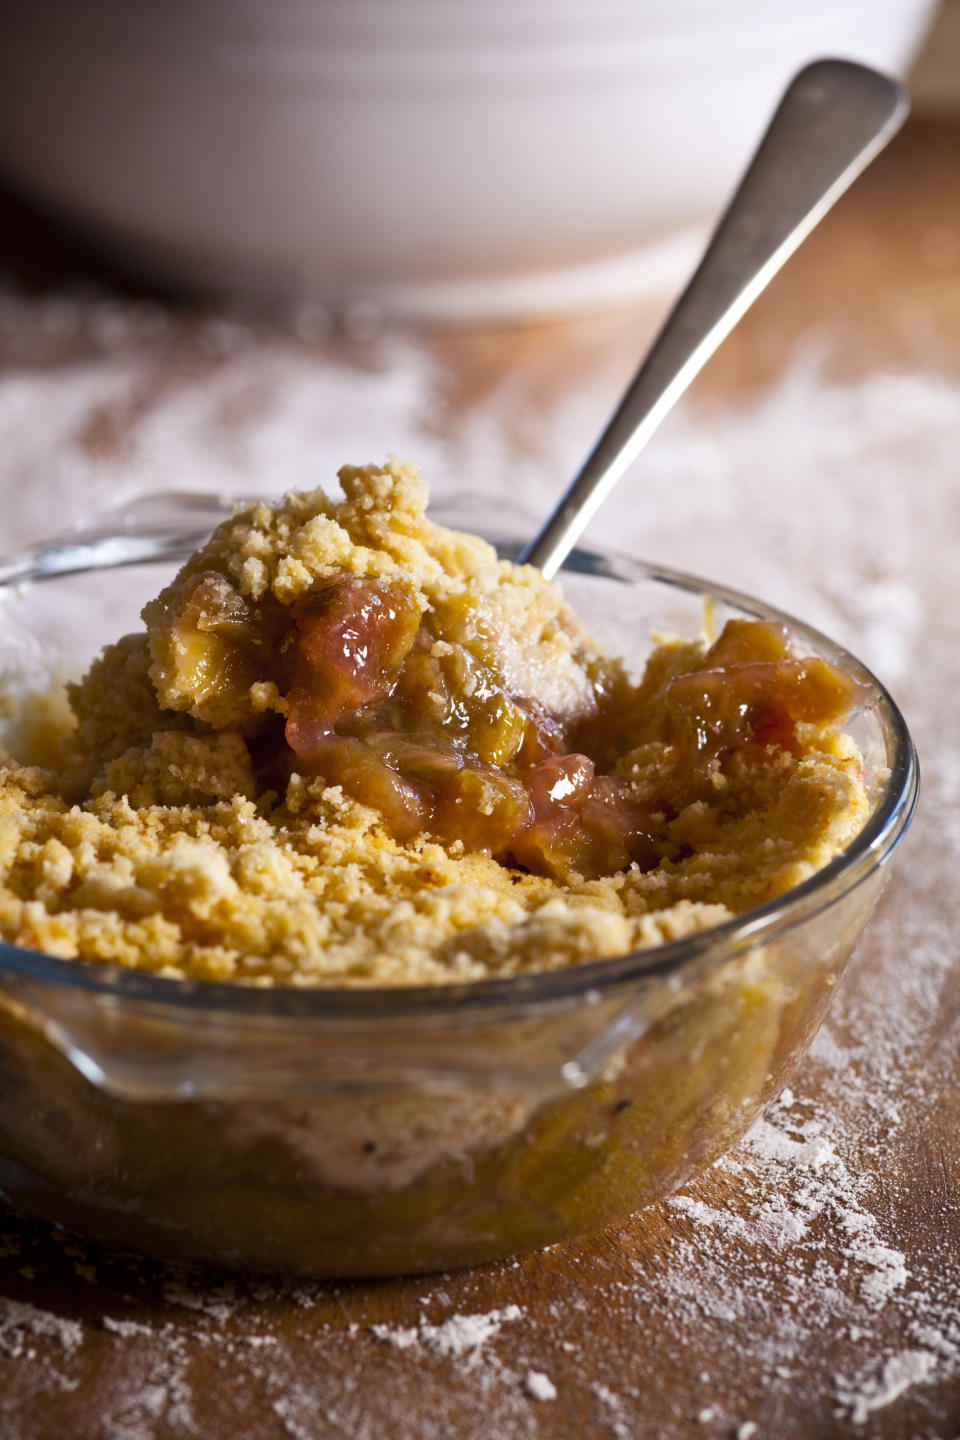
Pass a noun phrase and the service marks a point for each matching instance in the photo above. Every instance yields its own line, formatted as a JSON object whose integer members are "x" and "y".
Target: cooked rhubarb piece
{"x": 583, "y": 823}
{"x": 349, "y": 643}
{"x": 412, "y": 716}
{"x": 749, "y": 690}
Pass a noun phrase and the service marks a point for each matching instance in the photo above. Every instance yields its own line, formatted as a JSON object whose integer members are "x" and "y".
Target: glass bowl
{"x": 338, "y": 1132}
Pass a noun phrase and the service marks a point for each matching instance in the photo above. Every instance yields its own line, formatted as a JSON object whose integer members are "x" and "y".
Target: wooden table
{"x": 810, "y": 1284}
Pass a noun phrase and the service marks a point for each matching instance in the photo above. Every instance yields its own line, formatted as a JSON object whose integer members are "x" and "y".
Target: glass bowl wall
{"x": 383, "y": 1131}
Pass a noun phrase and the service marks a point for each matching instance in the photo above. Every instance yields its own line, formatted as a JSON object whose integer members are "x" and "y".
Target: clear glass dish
{"x": 386, "y": 1131}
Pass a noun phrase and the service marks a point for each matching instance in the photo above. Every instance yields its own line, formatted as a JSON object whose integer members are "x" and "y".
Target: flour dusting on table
{"x": 785, "y": 1265}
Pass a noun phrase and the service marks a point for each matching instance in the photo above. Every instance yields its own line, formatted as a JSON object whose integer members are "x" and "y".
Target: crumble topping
{"x": 352, "y": 747}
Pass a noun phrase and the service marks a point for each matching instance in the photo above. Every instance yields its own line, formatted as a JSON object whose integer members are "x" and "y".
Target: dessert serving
{"x": 364, "y": 913}
{"x": 354, "y": 747}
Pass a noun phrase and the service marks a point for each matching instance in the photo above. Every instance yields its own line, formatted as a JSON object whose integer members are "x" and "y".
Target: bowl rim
{"x": 477, "y": 1001}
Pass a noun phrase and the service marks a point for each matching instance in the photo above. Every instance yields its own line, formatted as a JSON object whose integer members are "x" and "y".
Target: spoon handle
{"x": 833, "y": 119}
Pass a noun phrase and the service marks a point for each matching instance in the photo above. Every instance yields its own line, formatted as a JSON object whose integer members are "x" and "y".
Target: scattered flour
{"x": 897, "y": 1374}
{"x": 401, "y": 1337}
{"x": 126, "y": 1328}
{"x": 612, "y": 1410}
{"x": 539, "y": 1386}
{"x": 19, "y": 1321}
{"x": 465, "y": 1334}
{"x": 458, "y": 1336}
{"x": 834, "y": 1266}
{"x": 783, "y": 1250}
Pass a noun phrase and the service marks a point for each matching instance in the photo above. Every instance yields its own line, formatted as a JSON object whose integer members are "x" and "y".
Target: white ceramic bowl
{"x": 429, "y": 157}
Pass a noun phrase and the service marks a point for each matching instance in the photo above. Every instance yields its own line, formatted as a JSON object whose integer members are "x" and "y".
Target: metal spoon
{"x": 834, "y": 118}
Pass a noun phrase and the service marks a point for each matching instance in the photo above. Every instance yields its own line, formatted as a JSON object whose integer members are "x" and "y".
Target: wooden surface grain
{"x": 809, "y": 1286}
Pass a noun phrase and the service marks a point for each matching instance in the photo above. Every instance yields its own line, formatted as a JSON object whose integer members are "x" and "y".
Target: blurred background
{"x": 425, "y": 160}
{"x": 243, "y": 242}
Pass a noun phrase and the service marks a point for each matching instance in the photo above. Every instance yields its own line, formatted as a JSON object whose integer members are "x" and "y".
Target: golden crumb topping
{"x": 352, "y": 747}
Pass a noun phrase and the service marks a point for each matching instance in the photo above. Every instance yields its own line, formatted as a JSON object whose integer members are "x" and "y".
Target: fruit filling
{"x": 410, "y": 712}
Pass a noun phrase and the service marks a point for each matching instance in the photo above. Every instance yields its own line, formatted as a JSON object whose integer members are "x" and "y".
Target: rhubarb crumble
{"x": 353, "y": 747}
